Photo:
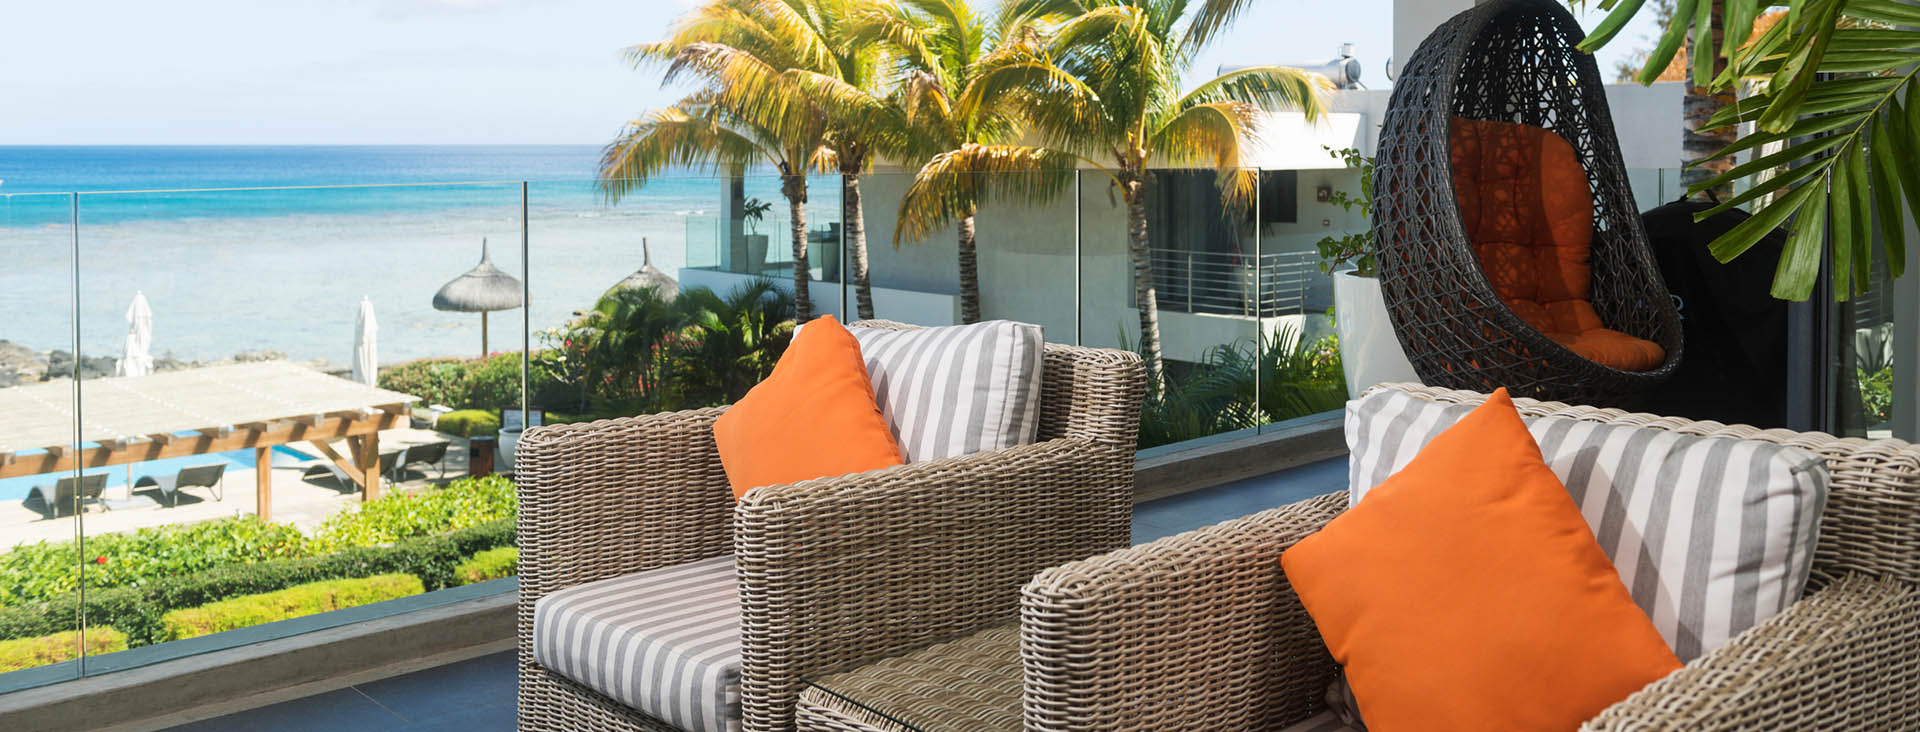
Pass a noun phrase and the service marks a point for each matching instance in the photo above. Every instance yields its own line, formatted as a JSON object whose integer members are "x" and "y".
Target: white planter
{"x": 756, "y": 254}
{"x": 1369, "y": 352}
{"x": 509, "y": 441}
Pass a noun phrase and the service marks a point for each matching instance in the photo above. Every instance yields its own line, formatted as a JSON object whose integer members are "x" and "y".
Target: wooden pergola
{"x": 256, "y": 406}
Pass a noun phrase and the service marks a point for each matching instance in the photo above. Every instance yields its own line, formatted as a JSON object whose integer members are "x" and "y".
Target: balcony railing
{"x": 1222, "y": 283}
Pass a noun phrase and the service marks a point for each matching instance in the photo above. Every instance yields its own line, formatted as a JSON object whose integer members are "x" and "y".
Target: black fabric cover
{"x": 1735, "y": 369}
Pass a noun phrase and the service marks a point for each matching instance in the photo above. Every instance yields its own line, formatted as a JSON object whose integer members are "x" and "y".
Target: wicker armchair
{"x": 833, "y": 573}
{"x": 1507, "y": 61}
{"x": 1201, "y": 631}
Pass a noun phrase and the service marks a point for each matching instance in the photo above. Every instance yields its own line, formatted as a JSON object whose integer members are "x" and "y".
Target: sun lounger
{"x": 430, "y": 453}
{"x": 210, "y": 476}
{"x": 62, "y": 493}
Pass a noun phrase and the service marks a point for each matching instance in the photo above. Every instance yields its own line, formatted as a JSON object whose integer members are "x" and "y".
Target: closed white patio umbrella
{"x": 136, "y": 356}
{"x": 366, "y": 363}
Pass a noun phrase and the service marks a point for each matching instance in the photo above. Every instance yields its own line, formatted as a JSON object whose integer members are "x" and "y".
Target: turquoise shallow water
{"x": 242, "y": 270}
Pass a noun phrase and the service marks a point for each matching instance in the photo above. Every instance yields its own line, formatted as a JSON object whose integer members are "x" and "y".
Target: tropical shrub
{"x": 137, "y": 610}
{"x": 1876, "y": 395}
{"x": 457, "y": 505}
{"x": 1296, "y": 378}
{"x": 293, "y": 602}
{"x": 491, "y": 564}
{"x": 469, "y": 423}
{"x": 49, "y": 649}
{"x": 45, "y": 570}
{"x": 434, "y": 380}
{"x": 493, "y": 383}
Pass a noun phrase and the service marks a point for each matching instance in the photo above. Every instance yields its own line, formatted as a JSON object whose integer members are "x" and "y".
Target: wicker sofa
{"x": 1201, "y": 632}
{"x": 832, "y": 573}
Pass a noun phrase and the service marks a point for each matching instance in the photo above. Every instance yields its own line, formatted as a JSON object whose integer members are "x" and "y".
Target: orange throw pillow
{"x": 1467, "y": 593}
{"x": 814, "y": 416}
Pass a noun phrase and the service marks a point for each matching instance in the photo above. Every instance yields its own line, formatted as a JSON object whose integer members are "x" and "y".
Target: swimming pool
{"x": 17, "y": 489}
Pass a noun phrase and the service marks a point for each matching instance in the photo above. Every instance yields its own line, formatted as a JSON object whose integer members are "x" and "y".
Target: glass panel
{"x": 1202, "y": 261}
{"x": 40, "y": 555}
{"x": 274, "y": 377}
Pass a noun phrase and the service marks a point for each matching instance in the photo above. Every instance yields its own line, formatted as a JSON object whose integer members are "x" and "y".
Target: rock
{"x": 60, "y": 364}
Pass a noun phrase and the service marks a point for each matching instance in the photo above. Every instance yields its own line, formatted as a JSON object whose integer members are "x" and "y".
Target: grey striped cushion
{"x": 1711, "y": 535}
{"x": 665, "y": 642}
{"x": 956, "y": 389}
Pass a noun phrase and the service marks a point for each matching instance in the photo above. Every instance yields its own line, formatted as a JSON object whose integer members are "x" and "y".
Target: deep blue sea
{"x": 242, "y": 248}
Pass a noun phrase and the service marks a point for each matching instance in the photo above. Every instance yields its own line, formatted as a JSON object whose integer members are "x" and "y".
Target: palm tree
{"x": 699, "y": 132}
{"x": 941, "y": 45}
{"x": 1100, "y": 80}
{"x": 734, "y": 341}
{"x": 779, "y": 59}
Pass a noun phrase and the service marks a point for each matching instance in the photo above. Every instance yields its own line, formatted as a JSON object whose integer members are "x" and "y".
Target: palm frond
{"x": 1272, "y": 88}
{"x": 691, "y": 135}
{"x": 957, "y": 183}
{"x": 1214, "y": 134}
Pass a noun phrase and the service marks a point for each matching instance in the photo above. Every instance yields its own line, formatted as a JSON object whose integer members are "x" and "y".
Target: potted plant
{"x": 1370, "y": 353}
{"x": 752, "y": 213}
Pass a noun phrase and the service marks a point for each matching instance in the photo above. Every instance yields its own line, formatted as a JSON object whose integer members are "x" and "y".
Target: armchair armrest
{"x": 839, "y": 572}
{"x": 618, "y": 496}
{"x": 1195, "y": 631}
{"x": 1842, "y": 658}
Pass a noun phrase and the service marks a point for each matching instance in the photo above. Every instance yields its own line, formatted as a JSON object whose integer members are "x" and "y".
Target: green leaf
{"x": 1860, "y": 196}
{"x": 1669, "y": 45}
{"x": 1886, "y": 202}
{"x": 1611, "y": 25}
{"x": 1800, "y": 263}
{"x": 1873, "y": 39}
{"x": 1738, "y": 15}
{"x": 1806, "y": 127}
{"x": 1804, "y": 152}
{"x": 1745, "y": 234}
{"x": 1780, "y": 180}
{"x": 1885, "y": 11}
{"x": 1792, "y": 82}
{"x": 1846, "y": 276}
{"x": 1703, "y": 51}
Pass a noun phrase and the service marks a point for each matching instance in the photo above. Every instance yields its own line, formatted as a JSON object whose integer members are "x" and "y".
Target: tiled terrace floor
{"x": 478, "y": 695}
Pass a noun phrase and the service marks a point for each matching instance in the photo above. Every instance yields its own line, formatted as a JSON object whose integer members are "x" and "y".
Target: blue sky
{"x": 425, "y": 71}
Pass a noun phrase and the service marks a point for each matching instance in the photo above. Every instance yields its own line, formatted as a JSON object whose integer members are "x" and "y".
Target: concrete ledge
{"x": 224, "y": 681}
{"x": 1199, "y": 464}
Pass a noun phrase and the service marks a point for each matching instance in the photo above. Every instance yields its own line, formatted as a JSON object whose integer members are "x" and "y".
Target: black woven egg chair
{"x": 1507, "y": 61}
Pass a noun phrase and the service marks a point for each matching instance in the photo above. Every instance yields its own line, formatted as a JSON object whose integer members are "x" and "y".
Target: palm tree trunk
{"x": 969, "y": 273}
{"x": 1697, "y": 106}
{"x": 854, "y": 221}
{"x": 1144, "y": 295}
{"x": 795, "y": 189}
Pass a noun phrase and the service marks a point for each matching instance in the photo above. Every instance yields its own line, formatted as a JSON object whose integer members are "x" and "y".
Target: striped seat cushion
{"x": 957, "y": 389}
{"x": 665, "y": 642}
{"x": 1711, "y": 535}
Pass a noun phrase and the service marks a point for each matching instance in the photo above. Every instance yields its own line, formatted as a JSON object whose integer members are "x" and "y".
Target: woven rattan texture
{"x": 971, "y": 685}
{"x": 834, "y": 573}
{"x": 1508, "y": 61}
{"x": 1202, "y": 631}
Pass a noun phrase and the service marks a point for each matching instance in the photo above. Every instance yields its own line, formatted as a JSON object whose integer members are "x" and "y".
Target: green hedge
{"x": 462, "y": 503}
{"x": 137, "y": 610}
{"x": 45, "y": 570}
{"x": 492, "y": 564}
{"x": 469, "y": 423}
{"x": 297, "y": 601}
{"x": 48, "y": 649}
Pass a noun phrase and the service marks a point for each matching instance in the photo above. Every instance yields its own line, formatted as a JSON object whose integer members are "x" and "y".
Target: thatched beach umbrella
{"x": 648, "y": 277}
{"x": 481, "y": 290}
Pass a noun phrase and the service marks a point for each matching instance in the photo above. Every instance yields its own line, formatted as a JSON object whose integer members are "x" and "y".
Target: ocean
{"x": 245, "y": 248}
